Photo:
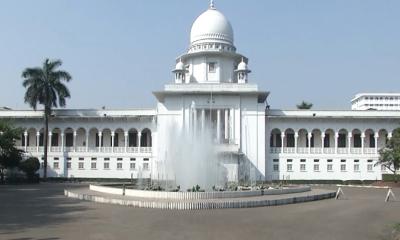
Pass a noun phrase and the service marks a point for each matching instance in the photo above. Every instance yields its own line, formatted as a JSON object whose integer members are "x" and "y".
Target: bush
{"x": 30, "y": 166}
{"x": 389, "y": 177}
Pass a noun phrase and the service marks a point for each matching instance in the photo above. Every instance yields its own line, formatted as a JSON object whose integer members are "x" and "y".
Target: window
{"x": 370, "y": 167}
{"x": 81, "y": 165}
{"x": 146, "y": 166}
{"x": 327, "y": 140}
{"x": 357, "y": 140}
{"x": 119, "y": 159}
{"x": 342, "y": 140}
{"x": 94, "y": 159}
{"x": 290, "y": 139}
{"x": 316, "y": 167}
{"x": 343, "y": 167}
{"x": 316, "y": 160}
{"x": 212, "y": 67}
{"x": 69, "y": 165}
{"x": 119, "y": 165}
{"x": 302, "y": 167}
{"x": 106, "y": 165}
{"x": 276, "y": 167}
{"x": 69, "y": 139}
{"x": 81, "y": 159}
{"x": 133, "y": 165}
{"x": 116, "y": 140}
{"x": 289, "y": 167}
{"x": 356, "y": 167}
{"x": 93, "y": 165}
{"x": 329, "y": 167}
{"x": 54, "y": 139}
{"x": 56, "y": 165}
{"x": 106, "y": 159}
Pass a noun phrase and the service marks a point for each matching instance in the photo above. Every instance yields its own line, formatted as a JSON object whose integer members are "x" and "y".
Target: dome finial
{"x": 212, "y": 5}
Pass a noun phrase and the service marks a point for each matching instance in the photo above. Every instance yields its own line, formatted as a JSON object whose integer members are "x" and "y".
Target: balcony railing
{"x": 319, "y": 150}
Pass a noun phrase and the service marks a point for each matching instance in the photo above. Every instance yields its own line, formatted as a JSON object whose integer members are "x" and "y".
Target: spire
{"x": 212, "y": 5}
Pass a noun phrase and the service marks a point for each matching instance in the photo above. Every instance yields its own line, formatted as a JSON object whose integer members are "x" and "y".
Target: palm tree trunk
{"x": 46, "y": 135}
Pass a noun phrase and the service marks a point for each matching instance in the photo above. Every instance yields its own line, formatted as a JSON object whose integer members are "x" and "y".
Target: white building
{"x": 211, "y": 87}
{"x": 376, "y": 101}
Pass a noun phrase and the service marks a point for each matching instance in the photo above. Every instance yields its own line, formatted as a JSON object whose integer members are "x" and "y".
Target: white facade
{"x": 376, "y": 101}
{"x": 211, "y": 87}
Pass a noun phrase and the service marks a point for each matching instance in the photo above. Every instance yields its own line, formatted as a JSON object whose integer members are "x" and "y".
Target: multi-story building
{"x": 376, "y": 101}
{"x": 211, "y": 90}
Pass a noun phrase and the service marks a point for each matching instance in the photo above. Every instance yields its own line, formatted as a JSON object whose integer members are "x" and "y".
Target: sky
{"x": 118, "y": 52}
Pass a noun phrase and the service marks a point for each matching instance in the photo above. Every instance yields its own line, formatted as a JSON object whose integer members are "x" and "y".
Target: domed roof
{"x": 242, "y": 66}
{"x": 211, "y": 26}
{"x": 180, "y": 66}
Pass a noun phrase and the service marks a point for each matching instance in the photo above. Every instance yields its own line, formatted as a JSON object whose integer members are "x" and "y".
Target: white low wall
{"x": 196, "y": 195}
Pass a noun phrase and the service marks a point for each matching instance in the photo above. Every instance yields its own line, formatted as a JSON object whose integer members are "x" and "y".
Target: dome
{"x": 180, "y": 66}
{"x": 242, "y": 66}
{"x": 211, "y": 26}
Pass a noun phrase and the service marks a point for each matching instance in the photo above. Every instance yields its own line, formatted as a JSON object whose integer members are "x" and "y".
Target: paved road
{"x": 42, "y": 212}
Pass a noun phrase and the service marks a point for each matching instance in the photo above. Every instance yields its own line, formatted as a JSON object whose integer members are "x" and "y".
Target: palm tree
{"x": 304, "y": 105}
{"x": 45, "y": 86}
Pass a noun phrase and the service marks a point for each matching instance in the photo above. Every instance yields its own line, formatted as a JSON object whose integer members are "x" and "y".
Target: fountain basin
{"x": 197, "y": 195}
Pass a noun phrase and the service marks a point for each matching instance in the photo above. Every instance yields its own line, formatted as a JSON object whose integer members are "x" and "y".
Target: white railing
{"x": 55, "y": 149}
{"x": 119, "y": 149}
{"x": 369, "y": 151}
{"x": 93, "y": 149}
{"x": 355, "y": 150}
{"x": 329, "y": 150}
{"x": 275, "y": 150}
{"x": 316, "y": 150}
{"x": 289, "y": 150}
{"x": 41, "y": 149}
{"x": 132, "y": 149}
{"x": 106, "y": 149}
{"x": 81, "y": 149}
{"x": 342, "y": 150}
{"x": 69, "y": 149}
{"x": 21, "y": 148}
{"x": 145, "y": 149}
{"x": 302, "y": 150}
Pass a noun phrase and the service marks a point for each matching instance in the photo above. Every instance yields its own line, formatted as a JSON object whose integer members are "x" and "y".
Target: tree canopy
{"x": 10, "y": 156}
{"x": 389, "y": 156}
{"x": 304, "y": 105}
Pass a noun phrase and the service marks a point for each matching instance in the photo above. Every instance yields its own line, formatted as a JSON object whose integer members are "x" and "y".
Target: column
{"x": 112, "y": 141}
{"x": 296, "y": 136}
{"x": 309, "y": 135}
{"x": 74, "y": 142}
{"x": 37, "y": 141}
{"x": 100, "y": 134}
{"x": 232, "y": 125}
{"x": 349, "y": 142}
{"x": 203, "y": 119}
{"x": 49, "y": 141}
{"x": 138, "y": 141}
{"x": 26, "y": 141}
{"x": 389, "y": 136}
{"x": 87, "y": 141}
{"x": 126, "y": 134}
{"x": 322, "y": 141}
{"x": 362, "y": 142}
{"x": 62, "y": 142}
{"x": 376, "y": 135}
{"x": 282, "y": 141}
{"x": 227, "y": 124}
{"x": 195, "y": 122}
{"x": 218, "y": 126}
{"x": 336, "y": 142}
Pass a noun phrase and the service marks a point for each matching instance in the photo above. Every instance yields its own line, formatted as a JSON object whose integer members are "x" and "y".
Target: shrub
{"x": 30, "y": 167}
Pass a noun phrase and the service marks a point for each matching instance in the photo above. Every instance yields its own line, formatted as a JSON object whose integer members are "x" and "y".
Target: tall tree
{"x": 10, "y": 156}
{"x": 44, "y": 85}
{"x": 304, "y": 105}
{"x": 389, "y": 156}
